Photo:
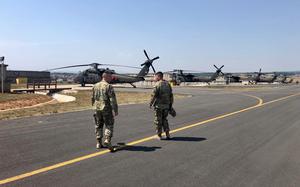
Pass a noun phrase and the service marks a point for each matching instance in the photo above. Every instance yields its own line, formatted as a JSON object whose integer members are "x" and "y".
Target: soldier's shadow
{"x": 187, "y": 139}
{"x": 124, "y": 147}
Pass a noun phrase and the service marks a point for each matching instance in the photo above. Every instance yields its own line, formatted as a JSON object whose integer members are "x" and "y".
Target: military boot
{"x": 159, "y": 137}
{"x": 99, "y": 144}
{"x": 168, "y": 137}
{"x": 107, "y": 144}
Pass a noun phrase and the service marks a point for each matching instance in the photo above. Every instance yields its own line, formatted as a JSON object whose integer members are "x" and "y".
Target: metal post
{"x": 2, "y": 78}
{"x": 2, "y": 75}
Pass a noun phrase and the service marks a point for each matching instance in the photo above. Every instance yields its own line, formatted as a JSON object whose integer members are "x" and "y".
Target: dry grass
{"x": 83, "y": 102}
{"x": 12, "y": 97}
{"x": 10, "y": 101}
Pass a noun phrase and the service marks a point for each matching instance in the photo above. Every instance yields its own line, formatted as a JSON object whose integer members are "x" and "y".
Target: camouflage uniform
{"x": 105, "y": 102}
{"x": 162, "y": 100}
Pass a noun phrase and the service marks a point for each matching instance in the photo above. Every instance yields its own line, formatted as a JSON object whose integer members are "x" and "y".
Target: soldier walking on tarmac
{"x": 106, "y": 108}
{"x": 162, "y": 100}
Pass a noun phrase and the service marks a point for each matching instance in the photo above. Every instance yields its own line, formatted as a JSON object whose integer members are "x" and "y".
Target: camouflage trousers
{"x": 160, "y": 120}
{"x": 104, "y": 118}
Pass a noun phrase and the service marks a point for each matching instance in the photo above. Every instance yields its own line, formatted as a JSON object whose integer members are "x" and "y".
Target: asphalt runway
{"x": 220, "y": 138}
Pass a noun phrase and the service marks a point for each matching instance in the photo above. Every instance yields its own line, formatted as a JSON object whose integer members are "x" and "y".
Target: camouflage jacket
{"x": 162, "y": 95}
{"x": 104, "y": 97}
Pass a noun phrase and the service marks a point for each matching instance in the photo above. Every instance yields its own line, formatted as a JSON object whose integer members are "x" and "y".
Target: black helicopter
{"x": 252, "y": 78}
{"x": 239, "y": 77}
{"x": 179, "y": 76}
{"x": 94, "y": 74}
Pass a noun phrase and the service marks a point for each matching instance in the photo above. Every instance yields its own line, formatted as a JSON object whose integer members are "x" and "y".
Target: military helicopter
{"x": 211, "y": 78}
{"x": 269, "y": 78}
{"x": 262, "y": 77}
{"x": 284, "y": 79}
{"x": 94, "y": 74}
{"x": 231, "y": 77}
{"x": 179, "y": 76}
{"x": 253, "y": 78}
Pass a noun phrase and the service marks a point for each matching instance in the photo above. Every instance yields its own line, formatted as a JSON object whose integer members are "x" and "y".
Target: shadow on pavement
{"x": 187, "y": 139}
{"x": 124, "y": 147}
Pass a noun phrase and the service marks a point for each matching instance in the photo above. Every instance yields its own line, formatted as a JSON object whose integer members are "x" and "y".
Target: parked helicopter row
{"x": 179, "y": 76}
{"x": 93, "y": 75}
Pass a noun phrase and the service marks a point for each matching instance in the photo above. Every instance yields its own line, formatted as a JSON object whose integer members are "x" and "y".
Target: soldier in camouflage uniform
{"x": 106, "y": 107}
{"x": 162, "y": 100}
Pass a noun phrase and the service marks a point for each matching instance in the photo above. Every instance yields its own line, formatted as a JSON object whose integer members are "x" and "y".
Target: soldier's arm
{"x": 93, "y": 96}
{"x": 154, "y": 95}
{"x": 171, "y": 96}
{"x": 113, "y": 99}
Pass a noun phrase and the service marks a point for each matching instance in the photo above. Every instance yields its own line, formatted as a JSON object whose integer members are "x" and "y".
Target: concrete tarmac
{"x": 220, "y": 138}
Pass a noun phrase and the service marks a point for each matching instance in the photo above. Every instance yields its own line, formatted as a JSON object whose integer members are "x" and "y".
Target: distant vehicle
{"x": 179, "y": 76}
{"x": 60, "y": 80}
{"x": 94, "y": 74}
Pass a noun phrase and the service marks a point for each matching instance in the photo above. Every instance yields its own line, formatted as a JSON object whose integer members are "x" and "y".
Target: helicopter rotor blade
{"x": 146, "y": 54}
{"x": 221, "y": 70}
{"x": 216, "y": 67}
{"x": 94, "y": 65}
{"x": 65, "y": 67}
{"x": 153, "y": 68}
{"x": 193, "y": 71}
{"x": 149, "y": 61}
{"x": 116, "y": 65}
{"x": 155, "y": 58}
{"x": 185, "y": 70}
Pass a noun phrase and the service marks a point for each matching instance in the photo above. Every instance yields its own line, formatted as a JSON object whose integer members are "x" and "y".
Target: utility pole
{"x": 2, "y": 73}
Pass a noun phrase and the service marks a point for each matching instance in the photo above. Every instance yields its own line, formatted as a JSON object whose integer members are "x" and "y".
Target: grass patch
{"x": 13, "y": 97}
{"x": 10, "y": 101}
{"x": 83, "y": 102}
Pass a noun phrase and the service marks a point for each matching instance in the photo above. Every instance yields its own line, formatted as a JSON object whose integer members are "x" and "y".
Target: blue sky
{"x": 243, "y": 35}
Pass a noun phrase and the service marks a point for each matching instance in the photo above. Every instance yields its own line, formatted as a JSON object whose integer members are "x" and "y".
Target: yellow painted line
{"x": 260, "y": 102}
{"x": 65, "y": 163}
{"x": 282, "y": 98}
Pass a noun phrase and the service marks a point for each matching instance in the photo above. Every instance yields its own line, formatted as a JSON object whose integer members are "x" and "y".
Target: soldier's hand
{"x": 150, "y": 106}
{"x": 115, "y": 113}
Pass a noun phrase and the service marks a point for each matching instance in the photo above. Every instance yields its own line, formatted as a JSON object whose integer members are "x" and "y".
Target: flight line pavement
{"x": 258, "y": 147}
